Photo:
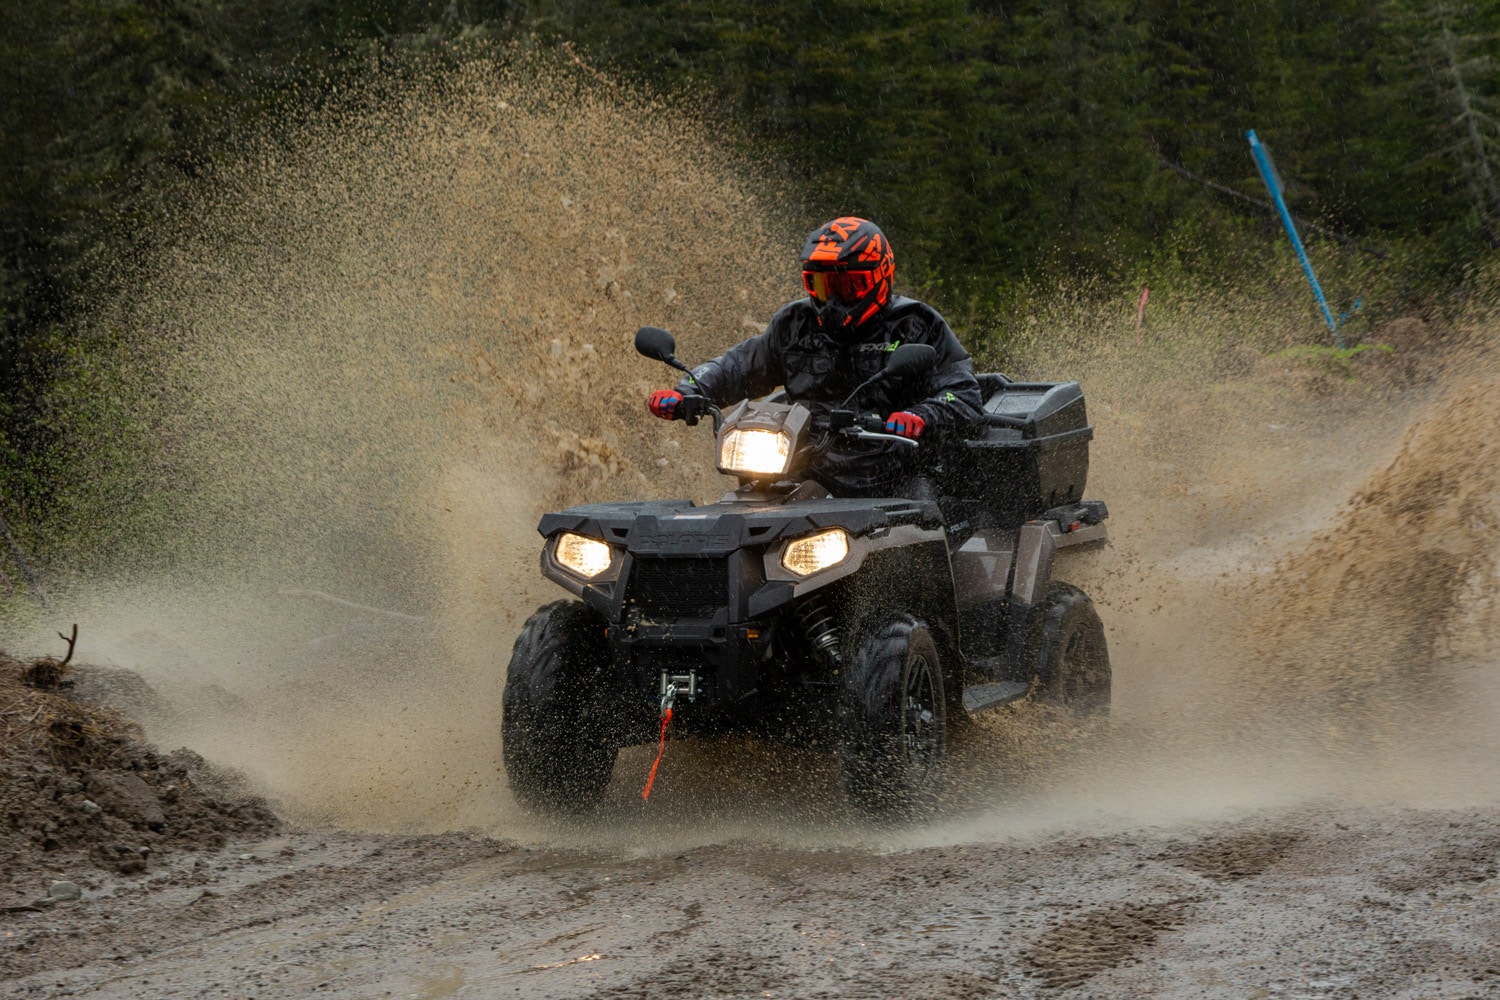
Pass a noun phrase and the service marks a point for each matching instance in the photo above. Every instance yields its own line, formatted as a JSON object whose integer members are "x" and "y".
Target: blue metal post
{"x": 1273, "y": 184}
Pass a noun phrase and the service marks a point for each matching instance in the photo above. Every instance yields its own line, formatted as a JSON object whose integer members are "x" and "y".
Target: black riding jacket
{"x": 820, "y": 371}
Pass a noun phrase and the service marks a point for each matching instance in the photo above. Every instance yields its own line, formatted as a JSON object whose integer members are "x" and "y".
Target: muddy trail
{"x": 397, "y": 330}
{"x": 1317, "y": 903}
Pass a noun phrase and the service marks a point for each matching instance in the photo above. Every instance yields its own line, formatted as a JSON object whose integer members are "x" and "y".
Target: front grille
{"x": 679, "y": 588}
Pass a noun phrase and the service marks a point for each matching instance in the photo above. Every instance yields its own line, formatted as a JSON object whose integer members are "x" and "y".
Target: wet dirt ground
{"x": 1308, "y": 903}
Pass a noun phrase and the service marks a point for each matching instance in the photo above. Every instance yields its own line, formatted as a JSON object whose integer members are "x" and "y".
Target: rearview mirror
{"x": 910, "y": 359}
{"x": 657, "y": 344}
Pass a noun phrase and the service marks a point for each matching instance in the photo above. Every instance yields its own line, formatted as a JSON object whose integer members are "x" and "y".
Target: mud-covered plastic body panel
{"x": 702, "y": 590}
{"x": 675, "y": 535}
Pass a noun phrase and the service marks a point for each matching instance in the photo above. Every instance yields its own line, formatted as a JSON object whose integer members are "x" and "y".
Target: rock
{"x": 128, "y": 797}
{"x": 64, "y": 891}
{"x": 89, "y": 806}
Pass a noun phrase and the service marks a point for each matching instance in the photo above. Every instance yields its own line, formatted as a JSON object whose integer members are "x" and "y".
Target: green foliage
{"x": 1332, "y": 361}
{"x": 999, "y": 140}
{"x": 977, "y": 137}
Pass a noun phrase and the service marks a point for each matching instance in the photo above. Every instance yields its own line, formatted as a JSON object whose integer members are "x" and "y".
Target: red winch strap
{"x": 660, "y": 749}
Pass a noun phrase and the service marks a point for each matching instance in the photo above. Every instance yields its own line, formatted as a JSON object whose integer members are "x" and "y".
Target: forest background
{"x": 1002, "y": 145}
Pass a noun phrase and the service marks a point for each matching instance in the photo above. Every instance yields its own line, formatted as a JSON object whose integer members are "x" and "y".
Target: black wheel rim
{"x": 920, "y": 732}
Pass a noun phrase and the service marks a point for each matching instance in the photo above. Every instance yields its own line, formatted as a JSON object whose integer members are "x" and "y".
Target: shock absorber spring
{"x": 819, "y": 625}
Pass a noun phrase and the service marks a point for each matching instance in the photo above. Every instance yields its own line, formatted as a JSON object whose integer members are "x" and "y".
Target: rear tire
{"x": 558, "y": 747}
{"x": 893, "y": 742}
{"x": 1073, "y": 662}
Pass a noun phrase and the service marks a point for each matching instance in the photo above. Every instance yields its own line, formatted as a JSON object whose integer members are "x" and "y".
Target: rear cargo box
{"x": 1031, "y": 454}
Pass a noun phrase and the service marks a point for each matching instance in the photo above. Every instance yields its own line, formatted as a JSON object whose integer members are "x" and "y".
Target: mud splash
{"x": 1379, "y": 639}
{"x": 366, "y": 356}
{"x": 1402, "y": 584}
{"x": 389, "y": 336}
{"x": 1301, "y": 598}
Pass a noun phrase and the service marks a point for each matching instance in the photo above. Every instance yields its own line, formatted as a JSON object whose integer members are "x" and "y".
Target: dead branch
{"x": 71, "y": 641}
{"x": 46, "y": 673}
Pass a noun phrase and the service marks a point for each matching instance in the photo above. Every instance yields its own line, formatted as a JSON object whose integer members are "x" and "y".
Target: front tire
{"x": 893, "y": 744}
{"x": 1073, "y": 662}
{"x": 557, "y": 745}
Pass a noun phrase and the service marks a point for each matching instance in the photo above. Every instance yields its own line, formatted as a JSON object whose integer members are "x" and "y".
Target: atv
{"x": 869, "y": 627}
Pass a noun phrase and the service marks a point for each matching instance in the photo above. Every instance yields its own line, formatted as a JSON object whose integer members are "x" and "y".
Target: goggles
{"x": 846, "y": 286}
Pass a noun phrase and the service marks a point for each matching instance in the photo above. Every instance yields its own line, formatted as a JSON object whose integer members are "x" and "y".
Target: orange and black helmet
{"x": 847, "y": 268}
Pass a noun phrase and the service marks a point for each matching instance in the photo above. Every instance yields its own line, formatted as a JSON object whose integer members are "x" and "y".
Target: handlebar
{"x": 865, "y": 427}
{"x": 701, "y": 403}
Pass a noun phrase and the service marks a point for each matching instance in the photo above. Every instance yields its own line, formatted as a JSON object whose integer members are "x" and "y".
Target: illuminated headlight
{"x": 761, "y": 453}
{"x": 808, "y": 555}
{"x": 588, "y": 557}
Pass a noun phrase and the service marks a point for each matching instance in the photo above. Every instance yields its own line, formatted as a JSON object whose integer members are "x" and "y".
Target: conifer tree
{"x": 1458, "y": 71}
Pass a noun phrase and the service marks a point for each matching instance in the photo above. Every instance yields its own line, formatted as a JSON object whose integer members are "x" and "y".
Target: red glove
{"x": 904, "y": 423}
{"x": 664, "y": 403}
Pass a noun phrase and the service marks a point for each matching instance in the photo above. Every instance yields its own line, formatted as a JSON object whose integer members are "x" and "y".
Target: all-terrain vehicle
{"x": 866, "y": 626}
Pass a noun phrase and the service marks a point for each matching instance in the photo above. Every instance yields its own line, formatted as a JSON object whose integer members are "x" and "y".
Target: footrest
{"x": 980, "y": 697}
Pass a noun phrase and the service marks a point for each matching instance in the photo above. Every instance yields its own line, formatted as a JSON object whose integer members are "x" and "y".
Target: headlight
{"x": 588, "y": 557}
{"x": 808, "y": 555}
{"x": 763, "y": 453}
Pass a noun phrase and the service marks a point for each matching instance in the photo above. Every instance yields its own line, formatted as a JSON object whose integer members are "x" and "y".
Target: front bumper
{"x": 726, "y": 666}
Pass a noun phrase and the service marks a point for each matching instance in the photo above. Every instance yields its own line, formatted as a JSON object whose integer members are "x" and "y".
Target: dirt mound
{"x": 81, "y": 790}
{"x": 1364, "y": 617}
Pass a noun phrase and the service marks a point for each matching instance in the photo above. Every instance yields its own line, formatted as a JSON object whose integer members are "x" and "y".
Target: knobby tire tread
{"x": 557, "y": 754}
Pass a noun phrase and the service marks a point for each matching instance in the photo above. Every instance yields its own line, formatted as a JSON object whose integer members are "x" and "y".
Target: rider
{"x": 825, "y": 345}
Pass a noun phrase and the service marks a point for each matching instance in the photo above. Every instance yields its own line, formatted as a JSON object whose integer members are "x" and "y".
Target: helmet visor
{"x": 846, "y": 286}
